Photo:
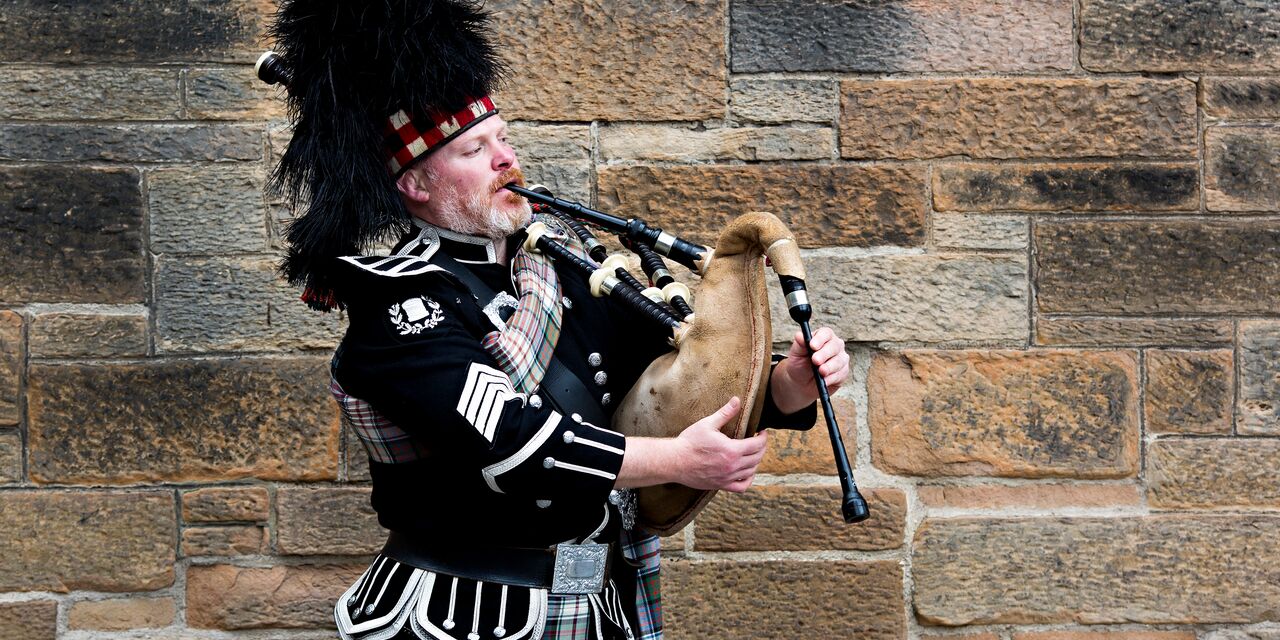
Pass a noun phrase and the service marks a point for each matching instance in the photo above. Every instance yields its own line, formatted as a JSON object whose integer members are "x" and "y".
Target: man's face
{"x": 465, "y": 179}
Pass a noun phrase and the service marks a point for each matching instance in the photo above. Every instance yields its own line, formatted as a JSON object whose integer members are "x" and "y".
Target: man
{"x": 478, "y": 376}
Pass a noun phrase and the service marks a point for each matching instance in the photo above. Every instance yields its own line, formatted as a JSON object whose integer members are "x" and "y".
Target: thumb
{"x": 723, "y": 415}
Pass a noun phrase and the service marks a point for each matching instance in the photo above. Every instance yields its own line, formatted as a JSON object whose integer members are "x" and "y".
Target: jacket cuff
{"x": 565, "y": 457}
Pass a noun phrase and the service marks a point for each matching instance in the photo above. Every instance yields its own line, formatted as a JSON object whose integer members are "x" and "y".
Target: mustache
{"x": 507, "y": 177}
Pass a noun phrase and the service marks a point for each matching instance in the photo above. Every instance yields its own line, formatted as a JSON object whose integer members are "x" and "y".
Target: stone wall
{"x": 1049, "y": 230}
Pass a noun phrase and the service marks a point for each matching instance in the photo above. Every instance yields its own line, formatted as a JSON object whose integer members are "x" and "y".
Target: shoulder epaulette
{"x": 392, "y": 266}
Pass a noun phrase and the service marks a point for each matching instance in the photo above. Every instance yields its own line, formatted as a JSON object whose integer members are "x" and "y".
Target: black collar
{"x": 461, "y": 247}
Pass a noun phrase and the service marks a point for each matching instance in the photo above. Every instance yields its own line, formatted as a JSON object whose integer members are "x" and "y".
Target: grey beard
{"x": 476, "y": 217}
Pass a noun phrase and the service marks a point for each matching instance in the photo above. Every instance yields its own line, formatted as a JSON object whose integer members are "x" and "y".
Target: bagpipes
{"x": 723, "y": 350}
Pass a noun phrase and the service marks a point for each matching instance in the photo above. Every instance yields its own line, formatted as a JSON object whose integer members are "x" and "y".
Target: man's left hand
{"x": 792, "y": 384}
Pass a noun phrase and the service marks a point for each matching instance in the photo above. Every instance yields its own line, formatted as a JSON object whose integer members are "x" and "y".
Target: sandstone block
{"x": 1105, "y": 635}
{"x": 1259, "y": 409}
{"x": 74, "y": 235}
{"x": 13, "y": 357}
{"x": 841, "y": 205}
{"x": 1205, "y": 267}
{"x": 234, "y": 540}
{"x": 557, "y": 156}
{"x": 1242, "y": 168}
{"x": 1017, "y": 118}
{"x": 29, "y": 620}
{"x": 668, "y": 143}
{"x": 231, "y": 93}
{"x": 1214, "y": 472}
{"x": 59, "y": 334}
{"x": 1135, "y": 332}
{"x": 226, "y": 504}
{"x": 10, "y": 457}
{"x": 917, "y": 35}
{"x": 810, "y": 451}
{"x": 89, "y": 94}
{"x": 1189, "y": 391}
{"x": 673, "y": 544}
{"x": 211, "y": 209}
{"x": 926, "y": 298}
{"x": 1037, "y": 496}
{"x": 1241, "y": 98}
{"x": 86, "y": 541}
{"x": 637, "y": 60}
{"x": 233, "y": 304}
{"x": 797, "y": 518}
{"x": 1200, "y": 35}
{"x": 291, "y": 597}
{"x": 824, "y": 599}
{"x": 1028, "y": 414}
{"x": 182, "y": 421}
{"x": 1087, "y": 186}
{"x": 305, "y": 522}
{"x": 122, "y": 615}
{"x": 130, "y": 142}
{"x": 124, "y": 31}
{"x": 963, "y": 569}
{"x": 778, "y": 100}
{"x": 980, "y": 232}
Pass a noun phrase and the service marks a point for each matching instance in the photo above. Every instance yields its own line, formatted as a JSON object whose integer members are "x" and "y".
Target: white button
{"x": 549, "y": 462}
{"x": 498, "y": 632}
{"x": 594, "y": 359}
{"x": 447, "y": 624}
{"x": 576, "y": 417}
{"x": 601, "y": 378}
{"x": 535, "y": 401}
{"x": 568, "y": 304}
{"x": 543, "y": 504}
{"x": 606, "y": 399}
{"x": 568, "y": 437}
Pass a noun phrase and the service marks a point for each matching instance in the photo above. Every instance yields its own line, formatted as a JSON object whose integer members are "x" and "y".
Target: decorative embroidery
{"x": 494, "y": 309}
{"x": 415, "y": 315}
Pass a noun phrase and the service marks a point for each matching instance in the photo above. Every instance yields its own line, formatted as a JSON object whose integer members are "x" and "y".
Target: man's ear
{"x": 413, "y": 185}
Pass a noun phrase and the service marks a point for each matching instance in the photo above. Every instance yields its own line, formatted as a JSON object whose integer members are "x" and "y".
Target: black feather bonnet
{"x": 353, "y": 64}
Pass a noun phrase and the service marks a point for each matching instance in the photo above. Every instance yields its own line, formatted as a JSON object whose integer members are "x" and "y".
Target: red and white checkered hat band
{"x": 410, "y": 137}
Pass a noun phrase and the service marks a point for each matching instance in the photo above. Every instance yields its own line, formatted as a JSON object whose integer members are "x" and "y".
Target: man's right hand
{"x": 701, "y": 457}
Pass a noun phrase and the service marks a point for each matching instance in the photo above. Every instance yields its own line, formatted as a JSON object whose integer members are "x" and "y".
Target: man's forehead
{"x": 492, "y": 124}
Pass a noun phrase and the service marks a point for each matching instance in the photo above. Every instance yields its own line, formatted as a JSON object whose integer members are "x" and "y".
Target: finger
{"x": 741, "y": 485}
{"x": 753, "y": 445}
{"x": 723, "y": 415}
{"x": 830, "y": 350}
{"x": 837, "y": 362}
{"x": 821, "y": 337}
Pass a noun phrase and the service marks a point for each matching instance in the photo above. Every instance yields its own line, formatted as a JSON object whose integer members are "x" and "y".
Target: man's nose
{"x": 505, "y": 158}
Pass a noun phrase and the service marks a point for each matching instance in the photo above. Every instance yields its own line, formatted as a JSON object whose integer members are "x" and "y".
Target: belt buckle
{"x": 579, "y": 569}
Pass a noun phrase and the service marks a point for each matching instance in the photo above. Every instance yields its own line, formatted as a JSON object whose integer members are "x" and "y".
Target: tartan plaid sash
{"x": 524, "y": 349}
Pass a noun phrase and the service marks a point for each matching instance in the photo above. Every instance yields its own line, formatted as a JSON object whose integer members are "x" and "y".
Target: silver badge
{"x": 415, "y": 315}
{"x": 579, "y": 568}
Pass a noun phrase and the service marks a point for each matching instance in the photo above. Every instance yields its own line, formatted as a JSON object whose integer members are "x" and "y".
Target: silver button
{"x": 568, "y": 437}
{"x": 535, "y": 401}
{"x": 473, "y": 636}
{"x": 576, "y": 417}
{"x": 447, "y": 624}
{"x": 498, "y": 632}
{"x": 601, "y": 378}
{"x": 542, "y": 504}
{"x": 594, "y": 359}
{"x": 568, "y": 304}
{"x": 549, "y": 462}
{"x": 606, "y": 399}
{"x": 368, "y": 611}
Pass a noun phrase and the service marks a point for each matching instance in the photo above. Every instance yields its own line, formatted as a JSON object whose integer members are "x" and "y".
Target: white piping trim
{"x": 385, "y": 584}
{"x": 492, "y": 471}
{"x": 475, "y": 613}
{"x": 502, "y": 611}
{"x": 581, "y": 469}
{"x": 598, "y": 445}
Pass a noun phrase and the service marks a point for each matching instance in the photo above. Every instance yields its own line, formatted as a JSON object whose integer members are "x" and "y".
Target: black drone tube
{"x": 656, "y": 269}
{"x": 597, "y": 251}
{"x": 627, "y": 294}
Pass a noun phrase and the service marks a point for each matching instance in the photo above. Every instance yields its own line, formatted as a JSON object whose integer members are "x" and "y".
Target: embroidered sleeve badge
{"x": 415, "y": 315}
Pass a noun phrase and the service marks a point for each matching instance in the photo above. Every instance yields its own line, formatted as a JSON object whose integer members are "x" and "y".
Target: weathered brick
{"x": 670, "y": 143}
{"x": 841, "y": 205}
{"x": 777, "y": 100}
{"x": 1214, "y": 472}
{"x": 673, "y": 543}
{"x": 233, "y": 304}
{"x": 1242, "y": 168}
{"x": 234, "y": 540}
{"x": 1106, "y": 635}
{"x": 13, "y": 357}
{"x": 961, "y": 636}
{"x": 226, "y": 504}
{"x": 10, "y": 457}
{"x": 1067, "y": 187}
{"x": 122, "y": 615}
{"x": 557, "y": 156}
{"x": 29, "y": 620}
{"x": 916, "y": 35}
{"x": 1017, "y": 118}
{"x": 1037, "y": 496}
{"x": 926, "y": 298}
{"x": 292, "y": 597}
{"x": 1259, "y": 409}
{"x": 88, "y": 94}
{"x": 1135, "y": 332}
{"x": 130, "y": 142}
{"x": 182, "y": 420}
{"x": 125, "y": 31}
{"x": 824, "y": 599}
{"x": 1204, "y": 267}
{"x": 1195, "y": 35}
{"x": 797, "y": 518}
{"x": 58, "y": 334}
{"x": 90, "y": 541}
{"x": 210, "y": 209}
{"x": 305, "y": 524}
{"x": 1241, "y": 98}
{"x": 809, "y": 451}
{"x": 669, "y": 69}
{"x": 1005, "y": 413}
{"x": 981, "y": 232}
{"x": 231, "y": 93}
{"x": 1104, "y": 570}
{"x": 75, "y": 235}
{"x": 1189, "y": 391}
